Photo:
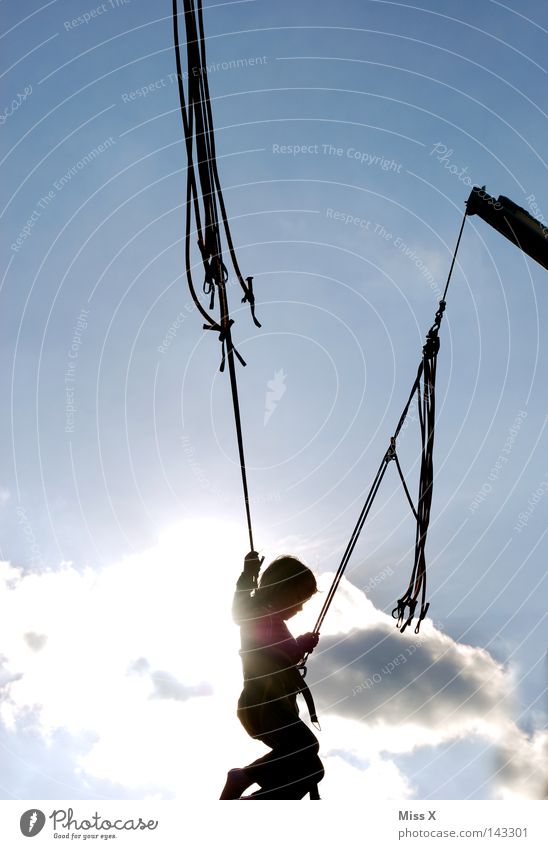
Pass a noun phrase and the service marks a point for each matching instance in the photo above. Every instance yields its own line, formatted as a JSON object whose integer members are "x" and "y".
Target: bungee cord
{"x": 207, "y": 207}
{"x": 424, "y": 388}
{"x": 206, "y": 217}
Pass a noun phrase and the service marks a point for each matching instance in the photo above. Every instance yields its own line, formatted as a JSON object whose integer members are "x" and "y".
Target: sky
{"x": 349, "y": 136}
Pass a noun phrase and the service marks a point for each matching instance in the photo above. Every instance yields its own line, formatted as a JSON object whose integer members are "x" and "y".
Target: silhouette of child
{"x": 267, "y": 707}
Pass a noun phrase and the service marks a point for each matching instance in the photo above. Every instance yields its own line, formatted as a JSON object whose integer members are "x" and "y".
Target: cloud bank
{"x": 122, "y": 683}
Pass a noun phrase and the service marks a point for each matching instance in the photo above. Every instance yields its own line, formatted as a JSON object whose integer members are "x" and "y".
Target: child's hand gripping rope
{"x": 308, "y": 642}
{"x": 252, "y": 564}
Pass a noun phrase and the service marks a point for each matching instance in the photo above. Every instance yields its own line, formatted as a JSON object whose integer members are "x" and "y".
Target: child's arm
{"x": 242, "y": 605}
{"x": 292, "y": 650}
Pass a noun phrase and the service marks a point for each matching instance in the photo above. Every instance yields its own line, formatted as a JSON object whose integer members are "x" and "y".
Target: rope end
{"x": 249, "y": 298}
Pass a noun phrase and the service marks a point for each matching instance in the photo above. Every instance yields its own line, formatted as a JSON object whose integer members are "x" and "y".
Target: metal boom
{"x": 530, "y": 235}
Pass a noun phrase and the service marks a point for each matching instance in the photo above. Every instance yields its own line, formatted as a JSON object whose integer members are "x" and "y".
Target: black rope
{"x": 191, "y": 195}
{"x": 405, "y": 489}
{"x": 197, "y": 119}
{"x": 453, "y": 260}
{"x": 353, "y": 540}
{"x": 247, "y": 286}
{"x": 406, "y": 605}
{"x": 424, "y": 387}
{"x": 427, "y": 409}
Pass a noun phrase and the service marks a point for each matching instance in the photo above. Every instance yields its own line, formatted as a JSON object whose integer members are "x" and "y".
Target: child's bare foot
{"x": 236, "y": 782}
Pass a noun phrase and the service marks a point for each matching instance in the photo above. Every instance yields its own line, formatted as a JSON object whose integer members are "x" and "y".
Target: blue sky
{"x": 348, "y": 135}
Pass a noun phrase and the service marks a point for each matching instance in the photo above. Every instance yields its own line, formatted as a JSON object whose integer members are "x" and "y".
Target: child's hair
{"x": 287, "y": 580}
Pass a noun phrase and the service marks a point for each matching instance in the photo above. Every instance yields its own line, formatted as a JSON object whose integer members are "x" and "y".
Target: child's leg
{"x": 293, "y": 765}
{"x": 237, "y": 781}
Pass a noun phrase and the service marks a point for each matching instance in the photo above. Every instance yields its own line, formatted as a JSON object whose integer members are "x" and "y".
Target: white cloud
{"x": 374, "y": 780}
{"x": 521, "y": 765}
{"x": 137, "y": 666}
{"x": 35, "y": 641}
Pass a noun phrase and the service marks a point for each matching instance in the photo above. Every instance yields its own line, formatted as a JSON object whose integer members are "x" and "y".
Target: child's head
{"x": 286, "y": 584}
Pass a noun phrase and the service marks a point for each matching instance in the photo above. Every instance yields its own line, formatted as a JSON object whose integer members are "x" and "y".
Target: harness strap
{"x": 304, "y": 690}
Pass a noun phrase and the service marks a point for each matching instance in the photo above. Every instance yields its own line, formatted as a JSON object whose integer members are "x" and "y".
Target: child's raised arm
{"x": 242, "y": 605}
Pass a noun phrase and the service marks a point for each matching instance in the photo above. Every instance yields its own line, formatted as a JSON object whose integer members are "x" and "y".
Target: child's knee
{"x": 316, "y": 762}
{"x": 314, "y": 773}
{"x": 321, "y": 771}
{"x": 315, "y": 767}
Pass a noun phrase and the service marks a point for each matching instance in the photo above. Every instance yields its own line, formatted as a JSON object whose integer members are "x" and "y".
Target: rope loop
{"x": 398, "y": 612}
{"x": 440, "y": 312}
{"x": 432, "y": 345}
{"x": 411, "y": 603}
{"x": 227, "y": 345}
{"x": 249, "y": 298}
{"x": 424, "y": 611}
{"x": 391, "y": 450}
